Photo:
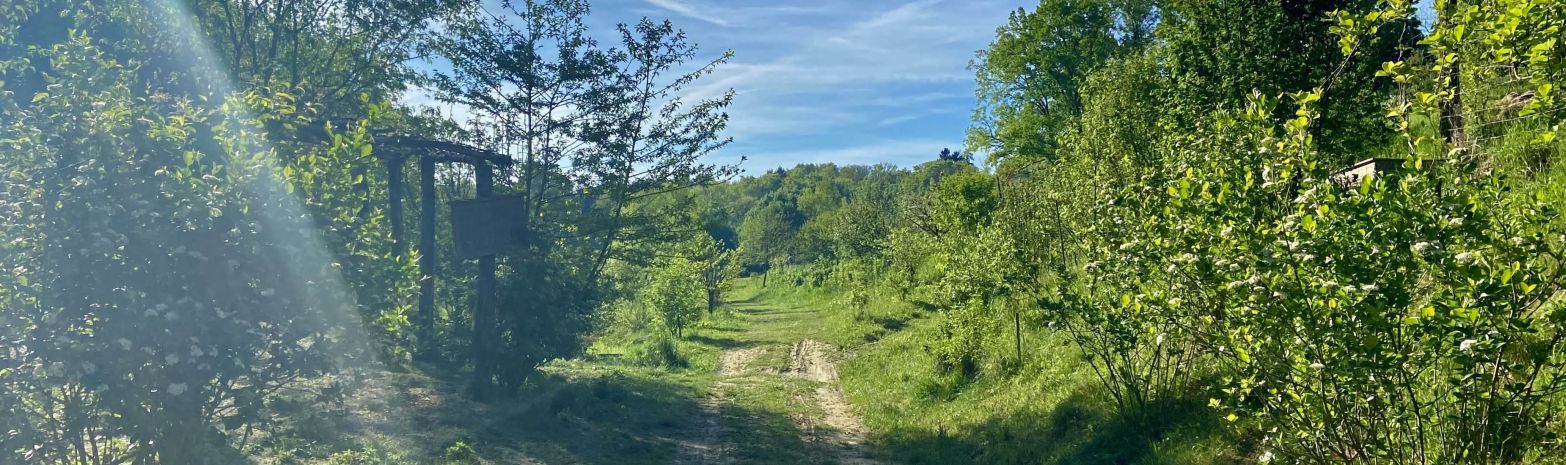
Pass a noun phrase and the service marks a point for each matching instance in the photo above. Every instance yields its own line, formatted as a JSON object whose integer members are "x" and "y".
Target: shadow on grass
{"x": 891, "y": 323}
{"x": 1082, "y": 430}
{"x": 754, "y": 298}
{"x": 720, "y": 342}
{"x": 772, "y": 310}
{"x": 616, "y": 417}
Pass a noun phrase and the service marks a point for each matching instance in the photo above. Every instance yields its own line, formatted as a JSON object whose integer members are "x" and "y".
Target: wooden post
{"x": 1452, "y": 125}
{"x": 426, "y": 316}
{"x": 394, "y": 198}
{"x": 1016, "y": 321}
{"x": 484, "y": 317}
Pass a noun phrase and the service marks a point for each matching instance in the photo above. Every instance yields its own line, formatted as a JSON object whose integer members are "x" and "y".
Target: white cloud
{"x": 863, "y": 69}
{"x": 418, "y": 97}
{"x": 819, "y": 73}
{"x": 906, "y": 152}
{"x": 896, "y": 120}
{"x": 690, "y": 11}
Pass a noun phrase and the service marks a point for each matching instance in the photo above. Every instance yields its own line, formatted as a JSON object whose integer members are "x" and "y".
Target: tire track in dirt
{"x": 707, "y": 447}
{"x": 843, "y": 437}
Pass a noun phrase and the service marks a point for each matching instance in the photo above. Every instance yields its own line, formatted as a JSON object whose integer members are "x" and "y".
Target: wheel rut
{"x": 839, "y": 431}
{"x": 708, "y": 426}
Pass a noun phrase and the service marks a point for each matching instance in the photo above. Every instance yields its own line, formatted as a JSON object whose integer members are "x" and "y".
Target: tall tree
{"x": 765, "y": 235}
{"x": 1030, "y": 77}
{"x": 596, "y": 130}
{"x": 1217, "y": 62}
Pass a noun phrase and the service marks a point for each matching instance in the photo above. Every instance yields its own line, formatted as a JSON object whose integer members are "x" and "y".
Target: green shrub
{"x": 368, "y": 456}
{"x": 659, "y": 351}
{"x": 461, "y": 453}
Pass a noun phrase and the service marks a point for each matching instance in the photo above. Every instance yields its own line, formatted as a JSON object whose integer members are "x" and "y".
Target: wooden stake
{"x": 426, "y": 316}
{"x": 484, "y": 317}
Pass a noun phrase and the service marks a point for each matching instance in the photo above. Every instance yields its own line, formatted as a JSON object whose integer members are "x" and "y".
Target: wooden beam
{"x": 394, "y": 205}
{"x": 455, "y": 152}
{"x": 427, "y": 264}
{"x": 485, "y": 324}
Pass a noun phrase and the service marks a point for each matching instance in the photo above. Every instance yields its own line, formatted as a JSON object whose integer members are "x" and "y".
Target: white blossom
{"x": 1422, "y": 247}
{"x": 1467, "y": 345}
{"x": 1318, "y": 366}
{"x": 1465, "y": 258}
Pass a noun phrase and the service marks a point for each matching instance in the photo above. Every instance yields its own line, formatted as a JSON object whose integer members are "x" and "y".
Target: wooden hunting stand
{"x": 430, "y": 153}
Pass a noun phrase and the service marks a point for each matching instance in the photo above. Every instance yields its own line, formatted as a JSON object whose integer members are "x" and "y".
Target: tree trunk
{"x": 394, "y": 200}
{"x": 188, "y": 440}
{"x": 426, "y": 316}
{"x": 1016, "y": 321}
{"x": 1452, "y": 126}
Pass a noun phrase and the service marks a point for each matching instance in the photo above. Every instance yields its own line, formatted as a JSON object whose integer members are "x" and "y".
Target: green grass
{"x": 1046, "y": 410}
{"x": 605, "y": 408}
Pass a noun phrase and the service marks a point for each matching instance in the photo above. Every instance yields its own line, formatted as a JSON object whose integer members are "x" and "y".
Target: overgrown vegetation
{"x": 1165, "y": 202}
{"x": 1160, "y": 259}
{"x": 192, "y": 230}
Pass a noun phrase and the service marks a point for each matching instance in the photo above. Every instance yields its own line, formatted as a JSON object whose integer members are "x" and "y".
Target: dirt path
{"x": 707, "y": 447}
{"x": 843, "y": 435}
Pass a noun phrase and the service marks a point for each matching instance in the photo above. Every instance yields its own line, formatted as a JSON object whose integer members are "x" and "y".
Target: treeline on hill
{"x": 196, "y": 221}
{"x": 1162, "y": 190}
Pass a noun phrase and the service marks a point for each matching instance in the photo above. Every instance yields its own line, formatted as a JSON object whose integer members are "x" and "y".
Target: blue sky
{"x": 842, "y": 81}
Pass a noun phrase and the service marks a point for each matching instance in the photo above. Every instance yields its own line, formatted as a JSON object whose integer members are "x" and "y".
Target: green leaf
{"x": 39, "y": 97}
